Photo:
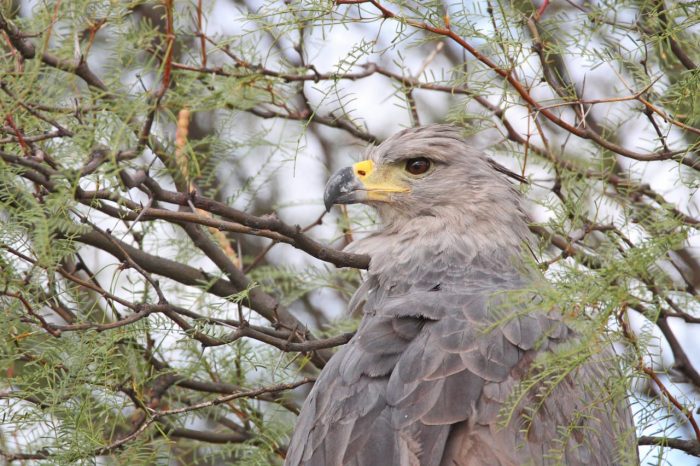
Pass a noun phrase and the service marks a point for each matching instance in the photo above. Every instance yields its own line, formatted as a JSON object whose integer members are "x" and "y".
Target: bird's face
{"x": 427, "y": 171}
{"x": 377, "y": 182}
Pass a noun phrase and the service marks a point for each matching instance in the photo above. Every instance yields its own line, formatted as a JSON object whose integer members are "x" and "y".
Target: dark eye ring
{"x": 417, "y": 166}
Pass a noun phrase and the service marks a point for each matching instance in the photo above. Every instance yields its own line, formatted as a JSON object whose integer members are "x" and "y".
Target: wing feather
{"x": 425, "y": 376}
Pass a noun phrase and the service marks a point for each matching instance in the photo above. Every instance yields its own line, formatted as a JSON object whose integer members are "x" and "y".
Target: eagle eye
{"x": 417, "y": 166}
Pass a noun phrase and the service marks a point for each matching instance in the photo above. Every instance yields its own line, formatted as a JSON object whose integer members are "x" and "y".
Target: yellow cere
{"x": 363, "y": 169}
{"x": 379, "y": 183}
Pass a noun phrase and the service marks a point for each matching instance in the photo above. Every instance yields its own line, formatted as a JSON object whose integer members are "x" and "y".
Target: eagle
{"x": 454, "y": 360}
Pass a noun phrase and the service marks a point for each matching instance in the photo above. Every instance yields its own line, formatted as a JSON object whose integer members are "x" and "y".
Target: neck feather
{"x": 408, "y": 247}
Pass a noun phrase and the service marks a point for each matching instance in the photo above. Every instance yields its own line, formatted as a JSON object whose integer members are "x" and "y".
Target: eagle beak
{"x": 344, "y": 187}
{"x": 362, "y": 183}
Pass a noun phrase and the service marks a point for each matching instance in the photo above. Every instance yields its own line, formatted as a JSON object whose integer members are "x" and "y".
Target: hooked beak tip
{"x": 340, "y": 188}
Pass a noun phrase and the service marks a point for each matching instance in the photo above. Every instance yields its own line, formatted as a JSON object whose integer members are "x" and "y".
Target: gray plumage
{"x": 428, "y": 376}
